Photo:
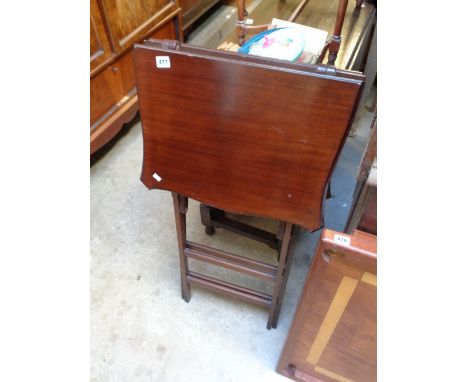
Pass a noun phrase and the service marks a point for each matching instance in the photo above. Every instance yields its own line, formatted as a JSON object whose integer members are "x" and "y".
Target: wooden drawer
{"x": 334, "y": 333}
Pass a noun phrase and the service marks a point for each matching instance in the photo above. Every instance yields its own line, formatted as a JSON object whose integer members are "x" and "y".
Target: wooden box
{"x": 333, "y": 336}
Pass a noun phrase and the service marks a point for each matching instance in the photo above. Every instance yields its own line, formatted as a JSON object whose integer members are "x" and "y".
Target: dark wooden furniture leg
{"x": 242, "y": 29}
{"x": 279, "y": 236}
{"x": 335, "y": 42}
{"x": 180, "y": 211}
{"x": 287, "y": 268}
{"x": 281, "y": 277}
{"x": 205, "y": 214}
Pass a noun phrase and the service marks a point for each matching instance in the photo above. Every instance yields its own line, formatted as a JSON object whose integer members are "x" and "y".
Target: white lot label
{"x": 157, "y": 177}
{"x": 163, "y": 62}
{"x": 341, "y": 239}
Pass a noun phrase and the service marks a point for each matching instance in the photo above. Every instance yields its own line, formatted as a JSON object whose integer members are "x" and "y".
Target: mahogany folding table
{"x": 244, "y": 134}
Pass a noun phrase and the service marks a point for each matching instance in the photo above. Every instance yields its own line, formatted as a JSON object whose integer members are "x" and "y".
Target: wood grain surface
{"x": 113, "y": 96}
{"x": 244, "y": 134}
{"x": 100, "y": 49}
{"x": 333, "y": 336}
{"x": 129, "y": 21}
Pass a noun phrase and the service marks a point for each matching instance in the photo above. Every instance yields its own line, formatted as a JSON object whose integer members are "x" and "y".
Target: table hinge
{"x": 327, "y": 69}
{"x": 170, "y": 44}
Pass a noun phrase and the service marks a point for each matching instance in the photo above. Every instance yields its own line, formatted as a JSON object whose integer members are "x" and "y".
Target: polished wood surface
{"x": 109, "y": 87}
{"x": 129, "y": 21}
{"x": 244, "y": 134}
{"x": 113, "y": 96}
{"x": 333, "y": 336}
{"x": 319, "y": 14}
{"x": 123, "y": 112}
{"x": 100, "y": 49}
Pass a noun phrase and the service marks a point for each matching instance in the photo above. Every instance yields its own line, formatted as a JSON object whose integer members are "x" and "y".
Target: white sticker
{"x": 249, "y": 21}
{"x": 157, "y": 177}
{"x": 341, "y": 239}
{"x": 163, "y": 62}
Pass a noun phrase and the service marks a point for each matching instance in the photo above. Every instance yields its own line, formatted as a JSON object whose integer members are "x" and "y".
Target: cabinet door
{"x": 334, "y": 333}
{"x": 100, "y": 48}
{"x": 129, "y": 21}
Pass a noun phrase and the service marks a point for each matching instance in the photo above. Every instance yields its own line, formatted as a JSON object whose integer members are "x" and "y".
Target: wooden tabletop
{"x": 241, "y": 133}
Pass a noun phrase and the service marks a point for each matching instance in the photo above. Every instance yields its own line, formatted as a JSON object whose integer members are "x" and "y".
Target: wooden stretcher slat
{"x": 230, "y": 260}
{"x": 227, "y": 288}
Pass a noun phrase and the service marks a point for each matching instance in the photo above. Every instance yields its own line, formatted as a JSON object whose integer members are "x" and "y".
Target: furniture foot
{"x": 210, "y": 231}
{"x": 205, "y": 215}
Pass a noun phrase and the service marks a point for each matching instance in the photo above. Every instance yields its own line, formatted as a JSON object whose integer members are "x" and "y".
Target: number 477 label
{"x": 163, "y": 62}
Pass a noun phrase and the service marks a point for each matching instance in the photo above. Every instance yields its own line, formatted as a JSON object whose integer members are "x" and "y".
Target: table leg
{"x": 281, "y": 276}
{"x": 284, "y": 282}
{"x": 180, "y": 211}
{"x": 335, "y": 41}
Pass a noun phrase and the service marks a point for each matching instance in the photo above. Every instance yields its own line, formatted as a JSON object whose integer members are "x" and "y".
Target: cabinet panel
{"x": 110, "y": 85}
{"x": 100, "y": 50}
{"x": 113, "y": 93}
{"x": 131, "y": 20}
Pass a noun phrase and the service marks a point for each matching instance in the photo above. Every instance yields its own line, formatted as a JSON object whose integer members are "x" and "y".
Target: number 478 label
{"x": 163, "y": 62}
{"x": 342, "y": 239}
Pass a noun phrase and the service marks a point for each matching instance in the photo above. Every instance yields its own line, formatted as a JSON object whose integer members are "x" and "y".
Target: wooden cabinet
{"x": 333, "y": 336}
{"x": 115, "y": 26}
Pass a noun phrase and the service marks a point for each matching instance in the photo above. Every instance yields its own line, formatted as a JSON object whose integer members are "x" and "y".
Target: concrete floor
{"x": 141, "y": 329}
